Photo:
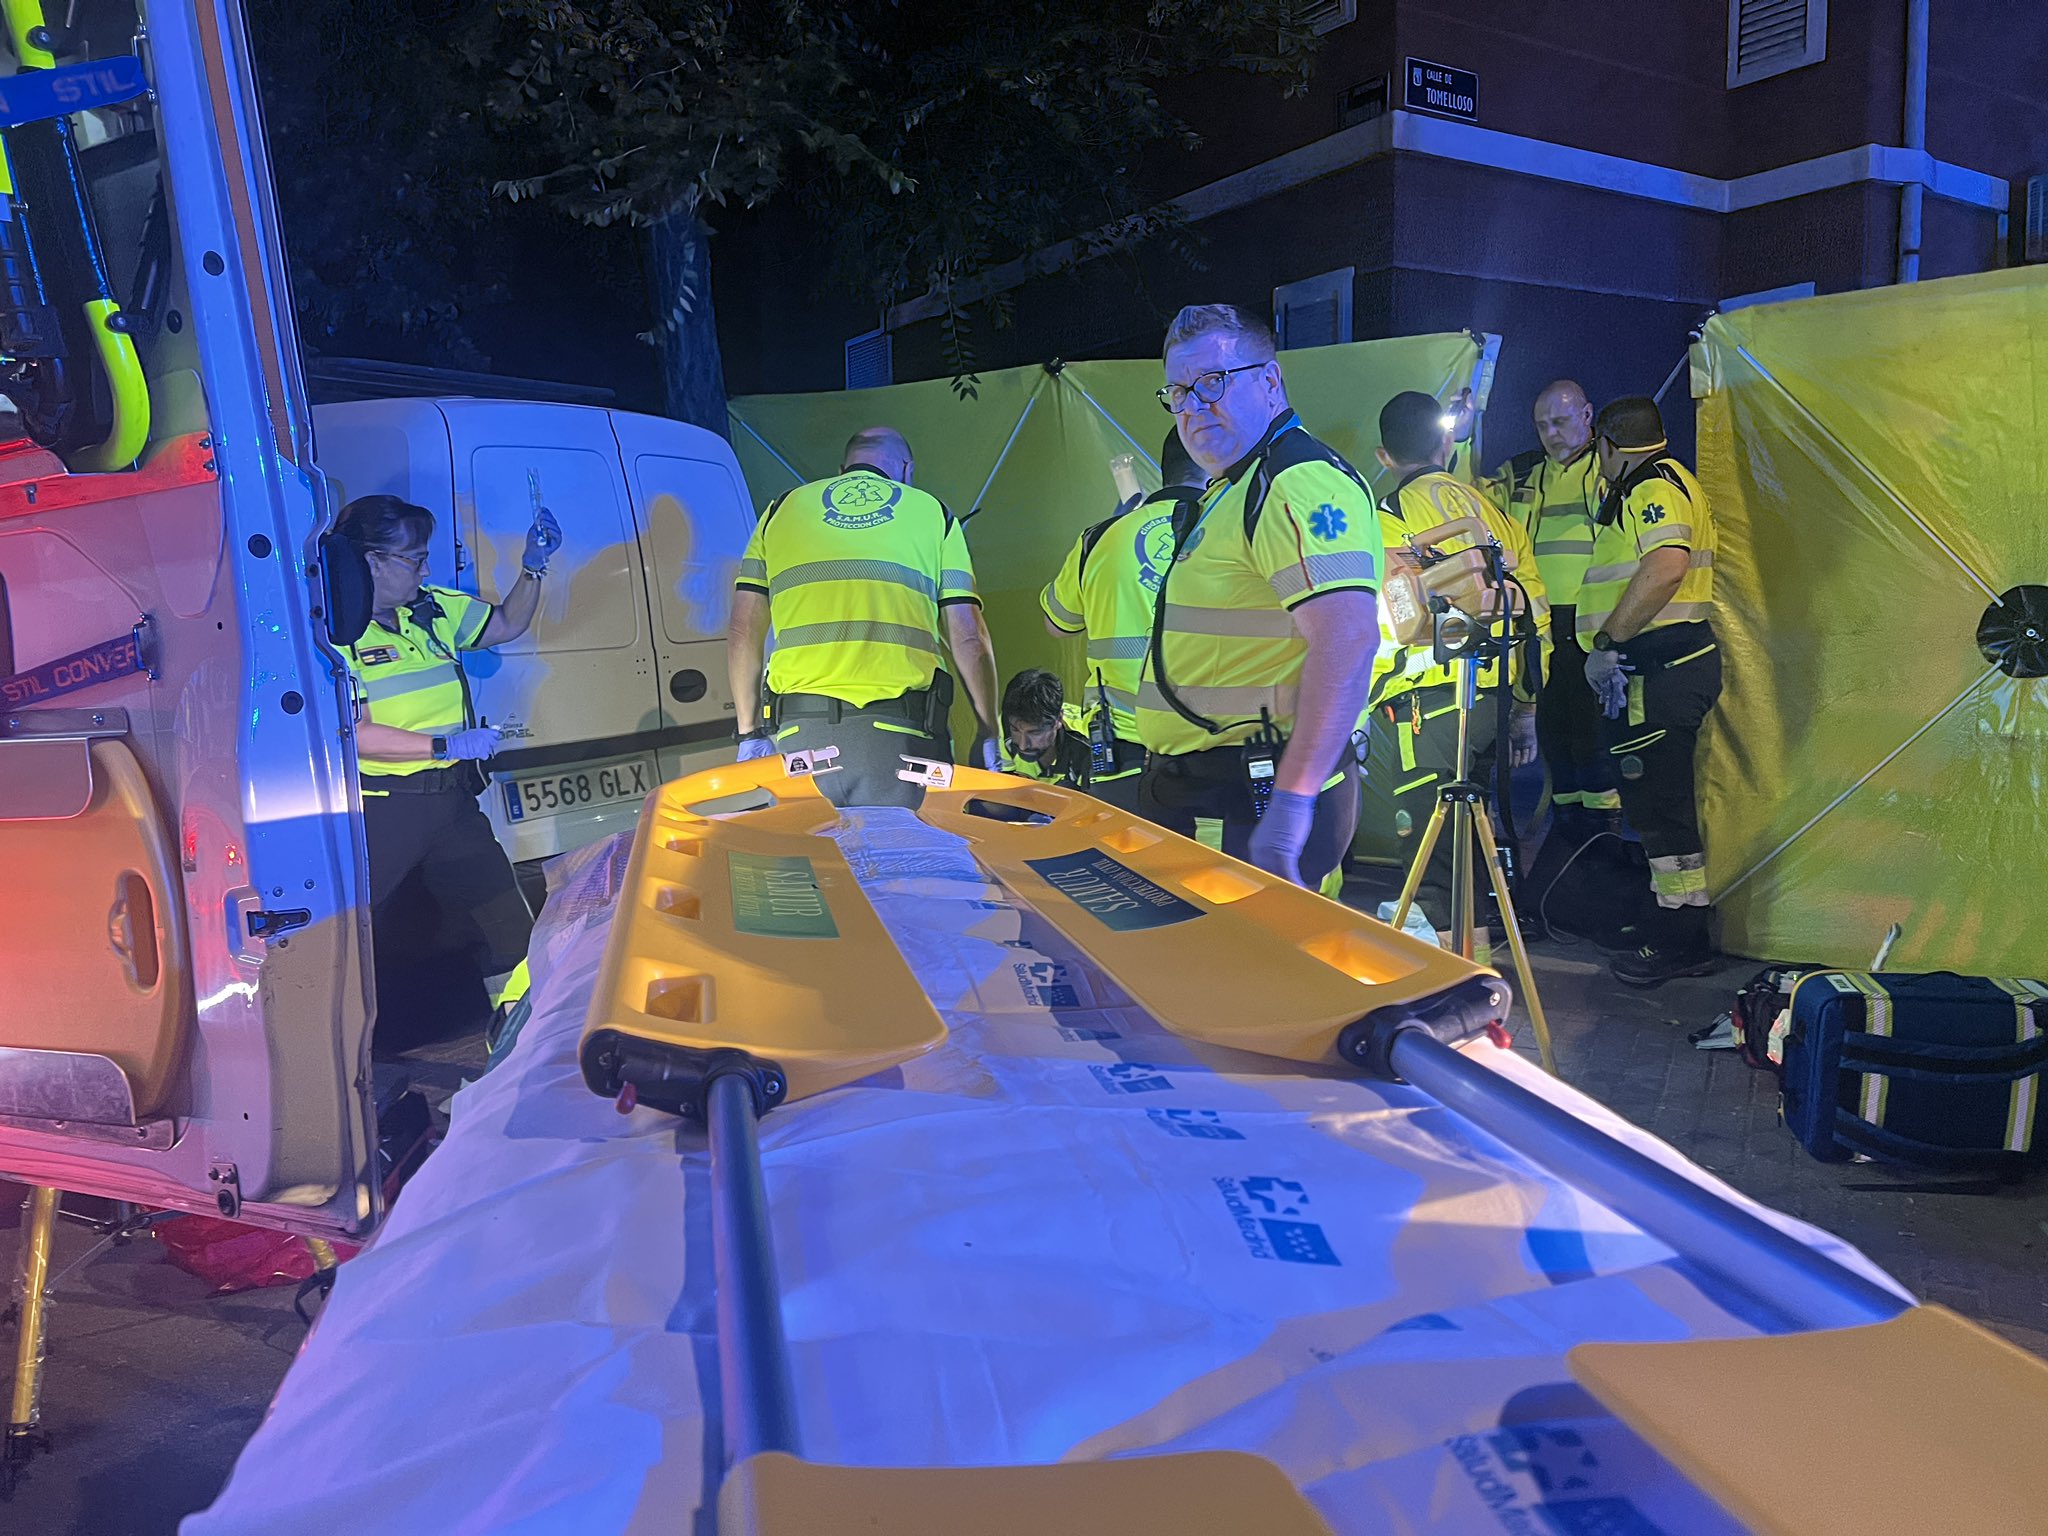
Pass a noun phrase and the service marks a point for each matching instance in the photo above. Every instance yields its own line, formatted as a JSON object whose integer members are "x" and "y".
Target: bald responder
{"x": 1554, "y": 492}
{"x": 1646, "y": 621}
{"x": 419, "y": 743}
{"x": 1266, "y": 625}
{"x": 1414, "y": 750}
{"x": 869, "y": 587}
{"x": 1106, "y": 587}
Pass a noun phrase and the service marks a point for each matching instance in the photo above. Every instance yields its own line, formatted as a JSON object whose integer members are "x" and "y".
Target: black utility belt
{"x": 1667, "y": 646}
{"x": 455, "y": 779}
{"x": 925, "y": 708}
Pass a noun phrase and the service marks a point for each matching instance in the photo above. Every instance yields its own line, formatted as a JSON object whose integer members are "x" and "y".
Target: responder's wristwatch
{"x": 1603, "y": 641}
{"x": 758, "y": 733}
{"x": 439, "y": 746}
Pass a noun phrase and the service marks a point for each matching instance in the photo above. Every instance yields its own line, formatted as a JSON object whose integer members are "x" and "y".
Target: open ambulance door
{"x": 184, "y": 1015}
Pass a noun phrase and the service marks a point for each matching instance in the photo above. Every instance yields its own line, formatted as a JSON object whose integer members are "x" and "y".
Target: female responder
{"x": 419, "y": 743}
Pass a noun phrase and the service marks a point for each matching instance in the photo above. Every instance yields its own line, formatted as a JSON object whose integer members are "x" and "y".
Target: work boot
{"x": 1675, "y": 943}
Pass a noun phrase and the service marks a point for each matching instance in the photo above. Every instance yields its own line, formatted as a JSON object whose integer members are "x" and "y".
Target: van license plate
{"x": 550, "y": 791}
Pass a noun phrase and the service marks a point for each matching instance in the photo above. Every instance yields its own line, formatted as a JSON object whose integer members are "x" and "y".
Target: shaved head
{"x": 1564, "y": 420}
{"x": 882, "y": 448}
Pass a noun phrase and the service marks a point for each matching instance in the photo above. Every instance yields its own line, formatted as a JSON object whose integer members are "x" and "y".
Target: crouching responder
{"x": 1553, "y": 491}
{"x": 1415, "y": 726}
{"x": 1266, "y": 625}
{"x": 868, "y": 585}
{"x": 1106, "y": 587}
{"x": 1646, "y": 622}
{"x": 419, "y": 744}
{"x": 1045, "y": 737}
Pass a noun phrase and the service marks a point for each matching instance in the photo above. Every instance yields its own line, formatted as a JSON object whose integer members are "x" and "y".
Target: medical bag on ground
{"x": 1762, "y": 1014}
{"x": 1935, "y": 1071}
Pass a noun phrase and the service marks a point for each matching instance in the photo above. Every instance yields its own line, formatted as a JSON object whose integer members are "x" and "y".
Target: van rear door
{"x": 576, "y": 695}
{"x": 696, "y": 517}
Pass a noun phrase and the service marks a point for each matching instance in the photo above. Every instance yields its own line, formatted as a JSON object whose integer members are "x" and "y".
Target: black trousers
{"x": 1413, "y": 754}
{"x": 1675, "y": 679}
{"x": 1175, "y": 791}
{"x": 1568, "y": 724}
{"x": 871, "y": 751}
{"x": 445, "y": 838}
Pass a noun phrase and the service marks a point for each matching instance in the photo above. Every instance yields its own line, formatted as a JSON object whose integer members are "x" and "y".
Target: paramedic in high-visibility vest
{"x": 1264, "y": 636}
{"x": 1044, "y": 736}
{"x": 419, "y": 743}
{"x": 1646, "y": 621}
{"x": 1414, "y": 741}
{"x": 1105, "y": 589}
{"x": 868, "y": 586}
{"x": 1554, "y": 492}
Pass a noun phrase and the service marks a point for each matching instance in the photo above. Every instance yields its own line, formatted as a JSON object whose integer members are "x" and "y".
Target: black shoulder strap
{"x": 1090, "y": 537}
{"x": 1181, "y": 530}
{"x": 1283, "y": 453}
{"x": 775, "y": 506}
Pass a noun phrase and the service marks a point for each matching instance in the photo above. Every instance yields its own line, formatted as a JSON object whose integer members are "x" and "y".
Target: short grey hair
{"x": 1255, "y": 336}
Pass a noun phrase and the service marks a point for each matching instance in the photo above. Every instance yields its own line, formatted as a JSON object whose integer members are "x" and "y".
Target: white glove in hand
{"x": 1605, "y": 677}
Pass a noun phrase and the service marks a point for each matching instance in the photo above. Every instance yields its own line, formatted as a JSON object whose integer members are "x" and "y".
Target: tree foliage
{"x": 927, "y": 141}
{"x": 382, "y": 172}
{"x": 931, "y": 140}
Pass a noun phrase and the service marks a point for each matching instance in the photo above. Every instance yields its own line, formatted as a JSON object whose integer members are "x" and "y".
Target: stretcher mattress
{"x": 1064, "y": 1233}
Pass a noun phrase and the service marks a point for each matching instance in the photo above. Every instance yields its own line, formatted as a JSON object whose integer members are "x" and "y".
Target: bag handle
{"x": 1884, "y": 1056}
{"x": 1860, "y": 1135}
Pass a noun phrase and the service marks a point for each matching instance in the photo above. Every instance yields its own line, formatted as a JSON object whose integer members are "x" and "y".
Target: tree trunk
{"x": 679, "y": 285}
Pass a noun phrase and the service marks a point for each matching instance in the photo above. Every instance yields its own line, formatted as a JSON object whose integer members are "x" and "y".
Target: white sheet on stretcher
{"x": 1064, "y": 1234}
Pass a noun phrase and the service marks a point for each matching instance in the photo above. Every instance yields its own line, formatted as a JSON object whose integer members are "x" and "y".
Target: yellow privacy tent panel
{"x": 1029, "y": 454}
{"x": 1876, "y": 463}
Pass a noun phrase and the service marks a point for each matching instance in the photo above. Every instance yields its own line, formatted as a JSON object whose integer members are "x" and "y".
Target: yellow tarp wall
{"x": 1878, "y": 468}
{"x": 1029, "y": 455}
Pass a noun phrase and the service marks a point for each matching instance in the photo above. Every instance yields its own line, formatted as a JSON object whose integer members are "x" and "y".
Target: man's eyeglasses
{"x": 418, "y": 562}
{"x": 1208, "y": 388}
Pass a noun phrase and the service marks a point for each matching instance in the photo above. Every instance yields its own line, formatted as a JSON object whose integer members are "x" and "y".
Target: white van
{"x": 621, "y": 682}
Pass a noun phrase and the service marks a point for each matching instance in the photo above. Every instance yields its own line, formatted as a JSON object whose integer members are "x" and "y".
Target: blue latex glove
{"x": 988, "y": 754}
{"x": 1276, "y": 842}
{"x": 752, "y": 747}
{"x": 542, "y": 540}
{"x": 474, "y": 744}
{"x": 1605, "y": 677}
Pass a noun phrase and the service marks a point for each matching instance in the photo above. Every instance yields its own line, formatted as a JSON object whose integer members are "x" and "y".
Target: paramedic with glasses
{"x": 419, "y": 742}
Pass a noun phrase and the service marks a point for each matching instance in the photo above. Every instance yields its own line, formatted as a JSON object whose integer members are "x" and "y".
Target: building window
{"x": 1768, "y": 37}
{"x": 1315, "y": 312}
{"x": 870, "y": 360}
{"x": 1328, "y": 15}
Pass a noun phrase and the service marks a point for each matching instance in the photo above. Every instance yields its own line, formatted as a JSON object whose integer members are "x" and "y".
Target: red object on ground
{"x": 230, "y": 1256}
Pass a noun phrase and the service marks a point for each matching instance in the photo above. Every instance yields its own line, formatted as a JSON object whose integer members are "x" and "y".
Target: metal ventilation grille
{"x": 1315, "y": 312}
{"x": 1769, "y": 37}
{"x": 1328, "y": 15}
{"x": 870, "y": 360}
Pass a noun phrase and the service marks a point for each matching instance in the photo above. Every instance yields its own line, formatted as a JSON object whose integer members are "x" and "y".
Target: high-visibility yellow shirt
{"x": 1424, "y": 501}
{"x": 1106, "y": 587}
{"x": 1660, "y": 503}
{"x": 1070, "y": 754}
{"x": 410, "y": 676}
{"x": 1556, "y": 504}
{"x": 1228, "y": 647}
{"x": 855, "y": 570}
